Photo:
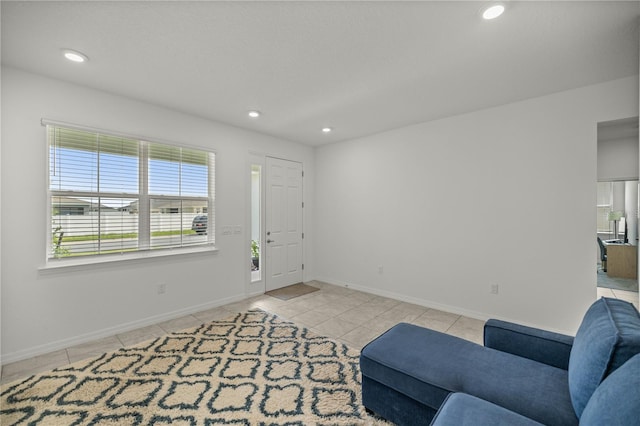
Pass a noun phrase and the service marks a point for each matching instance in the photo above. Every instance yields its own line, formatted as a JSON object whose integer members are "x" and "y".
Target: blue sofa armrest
{"x": 539, "y": 345}
{"x": 460, "y": 409}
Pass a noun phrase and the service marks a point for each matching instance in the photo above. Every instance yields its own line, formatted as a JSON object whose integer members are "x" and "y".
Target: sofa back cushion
{"x": 617, "y": 400}
{"x": 608, "y": 336}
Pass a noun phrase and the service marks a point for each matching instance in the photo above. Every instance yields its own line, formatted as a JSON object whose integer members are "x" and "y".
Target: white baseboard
{"x": 404, "y": 298}
{"x": 483, "y": 316}
{"x": 111, "y": 331}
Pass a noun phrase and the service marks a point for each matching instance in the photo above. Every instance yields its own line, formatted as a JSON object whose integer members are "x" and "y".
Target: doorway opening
{"x": 617, "y": 209}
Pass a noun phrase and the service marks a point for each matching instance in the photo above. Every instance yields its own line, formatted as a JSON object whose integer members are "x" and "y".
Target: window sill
{"x": 141, "y": 256}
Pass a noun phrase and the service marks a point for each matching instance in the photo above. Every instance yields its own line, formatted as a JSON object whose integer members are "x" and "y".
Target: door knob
{"x": 270, "y": 241}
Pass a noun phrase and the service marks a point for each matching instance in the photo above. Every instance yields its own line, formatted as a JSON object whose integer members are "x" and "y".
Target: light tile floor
{"x": 629, "y": 296}
{"x": 347, "y": 315}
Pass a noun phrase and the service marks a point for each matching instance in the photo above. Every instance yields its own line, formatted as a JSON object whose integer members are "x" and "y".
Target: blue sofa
{"x": 521, "y": 375}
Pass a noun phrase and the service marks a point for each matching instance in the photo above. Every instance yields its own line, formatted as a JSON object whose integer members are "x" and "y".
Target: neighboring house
{"x": 64, "y": 206}
{"x": 67, "y": 206}
{"x": 167, "y": 206}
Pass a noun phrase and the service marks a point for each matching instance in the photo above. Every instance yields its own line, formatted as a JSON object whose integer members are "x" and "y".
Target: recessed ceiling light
{"x": 254, "y": 114}
{"x": 326, "y": 130}
{"x": 493, "y": 12}
{"x": 74, "y": 56}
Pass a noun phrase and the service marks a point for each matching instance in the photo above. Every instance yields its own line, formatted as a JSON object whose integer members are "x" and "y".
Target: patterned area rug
{"x": 252, "y": 369}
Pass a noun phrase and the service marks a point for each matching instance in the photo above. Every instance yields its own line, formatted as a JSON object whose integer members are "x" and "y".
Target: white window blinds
{"x": 604, "y": 196}
{"x": 111, "y": 194}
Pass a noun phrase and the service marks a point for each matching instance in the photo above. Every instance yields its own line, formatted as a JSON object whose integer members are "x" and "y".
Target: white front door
{"x": 283, "y": 244}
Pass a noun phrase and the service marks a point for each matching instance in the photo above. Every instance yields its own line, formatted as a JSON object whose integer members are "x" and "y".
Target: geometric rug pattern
{"x": 250, "y": 369}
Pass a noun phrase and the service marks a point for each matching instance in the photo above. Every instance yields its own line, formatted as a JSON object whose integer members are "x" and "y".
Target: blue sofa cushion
{"x": 426, "y": 365}
{"x": 461, "y": 409}
{"x": 608, "y": 336}
{"x": 539, "y": 345}
{"x": 617, "y": 400}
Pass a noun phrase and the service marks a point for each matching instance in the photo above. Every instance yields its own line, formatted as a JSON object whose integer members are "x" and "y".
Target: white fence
{"x": 119, "y": 223}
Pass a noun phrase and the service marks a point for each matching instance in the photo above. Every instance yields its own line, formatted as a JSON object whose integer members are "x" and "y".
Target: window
{"x": 256, "y": 218}
{"x": 111, "y": 194}
{"x": 604, "y": 203}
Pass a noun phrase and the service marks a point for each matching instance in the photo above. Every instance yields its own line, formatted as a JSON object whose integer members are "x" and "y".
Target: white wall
{"x": 1, "y": 361}
{"x": 425, "y": 203}
{"x": 618, "y": 159}
{"x": 618, "y": 196}
{"x": 47, "y": 310}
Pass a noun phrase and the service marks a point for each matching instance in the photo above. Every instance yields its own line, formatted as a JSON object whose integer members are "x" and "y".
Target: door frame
{"x": 260, "y": 159}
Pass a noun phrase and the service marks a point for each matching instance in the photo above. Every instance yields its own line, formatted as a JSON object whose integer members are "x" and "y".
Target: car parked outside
{"x": 199, "y": 224}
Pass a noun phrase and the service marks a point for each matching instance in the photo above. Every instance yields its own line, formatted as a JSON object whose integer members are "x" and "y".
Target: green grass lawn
{"x": 77, "y": 238}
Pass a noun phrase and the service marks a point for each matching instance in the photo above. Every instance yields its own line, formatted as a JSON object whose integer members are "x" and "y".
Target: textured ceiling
{"x": 359, "y": 67}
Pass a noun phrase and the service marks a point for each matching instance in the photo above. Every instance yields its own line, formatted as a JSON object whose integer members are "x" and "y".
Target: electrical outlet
{"x": 162, "y": 288}
{"x": 380, "y": 269}
{"x": 494, "y": 288}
